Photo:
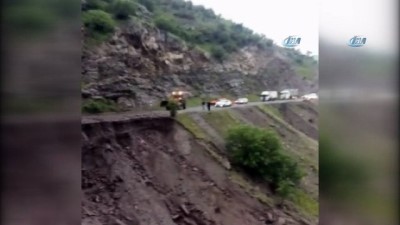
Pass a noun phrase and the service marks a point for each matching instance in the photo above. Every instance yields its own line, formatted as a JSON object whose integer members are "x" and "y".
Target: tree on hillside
{"x": 259, "y": 153}
{"x": 218, "y": 53}
{"x": 166, "y": 22}
{"x": 122, "y": 9}
{"x": 98, "y": 24}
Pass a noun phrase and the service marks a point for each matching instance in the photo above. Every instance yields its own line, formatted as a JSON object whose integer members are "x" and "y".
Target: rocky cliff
{"x": 140, "y": 63}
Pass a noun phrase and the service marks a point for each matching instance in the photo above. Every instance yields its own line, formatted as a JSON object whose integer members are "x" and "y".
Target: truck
{"x": 268, "y": 95}
{"x": 288, "y": 94}
{"x": 178, "y": 96}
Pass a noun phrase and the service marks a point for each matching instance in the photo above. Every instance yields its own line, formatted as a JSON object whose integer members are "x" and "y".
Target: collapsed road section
{"x": 152, "y": 170}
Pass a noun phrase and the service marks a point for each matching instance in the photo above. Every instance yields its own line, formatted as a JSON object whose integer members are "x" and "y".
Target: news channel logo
{"x": 357, "y": 41}
{"x": 291, "y": 41}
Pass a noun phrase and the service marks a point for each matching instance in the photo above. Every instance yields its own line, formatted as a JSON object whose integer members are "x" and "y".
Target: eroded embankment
{"x": 154, "y": 172}
{"x": 295, "y": 125}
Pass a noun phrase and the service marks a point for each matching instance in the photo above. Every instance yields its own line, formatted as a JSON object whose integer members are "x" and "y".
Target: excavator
{"x": 178, "y": 96}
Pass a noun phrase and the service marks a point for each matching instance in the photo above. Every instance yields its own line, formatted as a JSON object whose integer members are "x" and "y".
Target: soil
{"x": 302, "y": 116}
{"x": 153, "y": 172}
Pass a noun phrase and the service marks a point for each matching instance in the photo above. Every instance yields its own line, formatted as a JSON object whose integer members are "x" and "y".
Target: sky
{"x": 276, "y": 19}
{"x": 374, "y": 19}
{"x": 334, "y": 20}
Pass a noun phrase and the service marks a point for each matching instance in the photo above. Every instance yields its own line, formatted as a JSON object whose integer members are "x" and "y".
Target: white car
{"x": 311, "y": 96}
{"x": 223, "y": 103}
{"x": 241, "y": 101}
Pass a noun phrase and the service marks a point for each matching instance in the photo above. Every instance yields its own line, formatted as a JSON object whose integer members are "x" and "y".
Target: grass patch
{"x": 305, "y": 203}
{"x": 253, "y": 98}
{"x": 249, "y": 188}
{"x": 93, "y": 106}
{"x": 299, "y": 145}
{"x": 221, "y": 121}
{"x": 186, "y": 121}
{"x": 302, "y": 141}
{"x": 275, "y": 115}
{"x": 193, "y": 102}
{"x": 273, "y": 110}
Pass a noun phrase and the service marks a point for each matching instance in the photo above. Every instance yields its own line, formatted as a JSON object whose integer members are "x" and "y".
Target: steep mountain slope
{"x": 147, "y": 171}
{"x": 164, "y": 45}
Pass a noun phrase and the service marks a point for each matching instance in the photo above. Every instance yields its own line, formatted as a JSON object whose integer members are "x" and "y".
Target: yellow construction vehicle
{"x": 178, "y": 97}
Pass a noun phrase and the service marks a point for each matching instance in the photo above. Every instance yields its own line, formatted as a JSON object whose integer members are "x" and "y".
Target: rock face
{"x": 140, "y": 64}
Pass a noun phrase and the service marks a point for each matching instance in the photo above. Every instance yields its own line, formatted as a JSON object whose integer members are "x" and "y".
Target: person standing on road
{"x": 203, "y": 104}
{"x": 209, "y": 106}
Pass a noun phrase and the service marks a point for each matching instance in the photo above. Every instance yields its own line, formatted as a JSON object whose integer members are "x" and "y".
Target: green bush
{"x": 259, "y": 152}
{"x": 230, "y": 46}
{"x": 93, "y": 106}
{"x": 98, "y": 24}
{"x": 251, "y": 148}
{"x": 166, "y": 22}
{"x": 122, "y": 9}
{"x": 218, "y": 53}
{"x": 282, "y": 168}
{"x": 285, "y": 189}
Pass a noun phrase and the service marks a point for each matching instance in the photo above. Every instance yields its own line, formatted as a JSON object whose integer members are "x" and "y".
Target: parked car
{"x": 242, "y": 101}
{"x": 223, "y": 103}
{"x": 312, "y": 96}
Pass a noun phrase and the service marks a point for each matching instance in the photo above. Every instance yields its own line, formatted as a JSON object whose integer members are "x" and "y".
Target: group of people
{"x": 204, "y": 103}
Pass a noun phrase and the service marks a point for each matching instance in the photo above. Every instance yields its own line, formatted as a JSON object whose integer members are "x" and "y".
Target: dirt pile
{"x": 153, "y": 171}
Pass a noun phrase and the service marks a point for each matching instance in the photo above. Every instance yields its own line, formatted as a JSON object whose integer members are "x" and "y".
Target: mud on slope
{"x": 295, "y": 139}
{"x": 302, "y": 116}
{"x": 294, "y": 136}
{"x": 154, "y": 172}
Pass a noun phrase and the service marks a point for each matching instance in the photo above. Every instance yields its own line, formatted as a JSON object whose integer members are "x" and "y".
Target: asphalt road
{"x": 199, "y": 108}
{"x": 163, "y": 112}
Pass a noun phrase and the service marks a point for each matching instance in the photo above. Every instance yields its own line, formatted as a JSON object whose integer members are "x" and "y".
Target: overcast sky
{"x": 277, "y": 19}
{"x": 336, "y": 20}
{"x": 374, "y": 19}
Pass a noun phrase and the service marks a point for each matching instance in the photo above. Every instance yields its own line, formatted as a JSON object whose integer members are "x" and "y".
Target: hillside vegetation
{"x": 195, "y": 24}
{"x": 175, "y": 44}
